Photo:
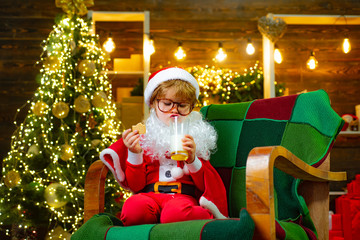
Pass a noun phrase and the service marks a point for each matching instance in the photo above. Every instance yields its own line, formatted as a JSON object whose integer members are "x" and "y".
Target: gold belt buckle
{"x": 178, "y": 184}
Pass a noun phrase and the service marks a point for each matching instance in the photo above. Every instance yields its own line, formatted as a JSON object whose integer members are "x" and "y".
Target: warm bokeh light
{"x": 180, "y": 53}
{"x": 109, "y": 45}
{"x": 221, "y": 54}
{"x": 312, "y": 63}
{"x": 346, "y": 46}
{"x": 277, "y": 56}
{"x": 250, "y": 49}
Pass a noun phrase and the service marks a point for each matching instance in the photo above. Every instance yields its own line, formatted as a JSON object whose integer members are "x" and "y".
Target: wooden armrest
{"x": 94, "y": 189}
{"x": 260, "y": 183}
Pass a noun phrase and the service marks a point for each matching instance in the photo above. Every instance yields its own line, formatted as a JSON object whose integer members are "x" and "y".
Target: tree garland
{"x": 221, "y": 85}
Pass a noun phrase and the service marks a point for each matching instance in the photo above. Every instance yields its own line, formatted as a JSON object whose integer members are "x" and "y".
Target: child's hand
{"x": 131, "y": 140}
{"x": 189, "y": 146}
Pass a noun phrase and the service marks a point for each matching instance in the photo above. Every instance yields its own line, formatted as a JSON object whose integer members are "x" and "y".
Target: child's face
{"x": 165, "y": 116}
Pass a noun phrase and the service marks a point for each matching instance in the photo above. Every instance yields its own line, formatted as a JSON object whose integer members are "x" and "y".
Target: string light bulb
{"x": 109, "y": 44}
{"x": 180, "y": 53}
{"x": 312, "y": 63}
{"x": 277, "y": 55}
{"x": 346, "y": 46}
{"x": 250, "y": 49}
{"x": 221, "y": 54}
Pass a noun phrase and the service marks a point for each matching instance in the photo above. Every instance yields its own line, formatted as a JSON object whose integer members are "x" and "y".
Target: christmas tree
{"x": 70, "y": 120}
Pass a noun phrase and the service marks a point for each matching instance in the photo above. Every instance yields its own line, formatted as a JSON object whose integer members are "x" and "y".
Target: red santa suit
{"x": 165, "y": 190}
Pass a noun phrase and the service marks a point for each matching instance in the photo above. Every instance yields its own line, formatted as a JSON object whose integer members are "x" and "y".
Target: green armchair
{"x": 273, "y": 157}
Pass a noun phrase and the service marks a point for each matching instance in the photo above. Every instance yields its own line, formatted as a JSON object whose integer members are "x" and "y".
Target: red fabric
{"x": 348, "y": 206}
{"x": 148, "y": 208}
{"x": 336, "y": 222}
{"x": 279, "y": 108}
{"x": 335, "y": 235}
{"x": 153, "y": 74}
{"x": 354, "y": 186}
{"x": 121, "y": 150}
{"x": 206, "y": 180}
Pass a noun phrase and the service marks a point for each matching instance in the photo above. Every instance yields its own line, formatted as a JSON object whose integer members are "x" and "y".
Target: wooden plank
{"x": 301, "y": 19}
{"x": 94, "y": 198}
{"x": 20, "y": 50}
{"x": 17, "y": 28}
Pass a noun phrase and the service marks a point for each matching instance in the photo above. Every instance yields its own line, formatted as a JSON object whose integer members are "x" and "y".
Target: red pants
{"x": 147, "y": 208}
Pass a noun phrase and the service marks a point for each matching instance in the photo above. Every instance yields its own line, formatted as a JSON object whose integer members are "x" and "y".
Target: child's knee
{"x": 138, "y": 210}
{"x": 183, "y": 211}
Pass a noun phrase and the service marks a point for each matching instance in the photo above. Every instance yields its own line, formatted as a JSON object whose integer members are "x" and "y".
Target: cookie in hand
{"x": 140, "y": 127}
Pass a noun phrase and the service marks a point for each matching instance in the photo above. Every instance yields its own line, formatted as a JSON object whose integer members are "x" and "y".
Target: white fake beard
{"x": 156, "y": 141}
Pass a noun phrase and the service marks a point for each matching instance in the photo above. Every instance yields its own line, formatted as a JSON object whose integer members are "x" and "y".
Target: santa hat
{"x": 165, "y": 74}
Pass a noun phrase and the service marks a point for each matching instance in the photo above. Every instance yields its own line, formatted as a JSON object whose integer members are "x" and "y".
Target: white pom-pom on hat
{"x": 165, "y": 74}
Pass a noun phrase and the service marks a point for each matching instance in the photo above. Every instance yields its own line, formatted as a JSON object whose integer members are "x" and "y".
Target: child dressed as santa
{"x": 166, "y": 190}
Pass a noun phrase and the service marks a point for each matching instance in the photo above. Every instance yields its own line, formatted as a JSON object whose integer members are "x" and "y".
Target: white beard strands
{"x": 156, "y": 140}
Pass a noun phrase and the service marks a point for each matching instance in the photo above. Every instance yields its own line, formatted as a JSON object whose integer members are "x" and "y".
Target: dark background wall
{"x": 200, "y": 25}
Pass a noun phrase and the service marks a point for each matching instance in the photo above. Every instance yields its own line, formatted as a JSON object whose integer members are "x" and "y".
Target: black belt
{"x": 170, "y": 187}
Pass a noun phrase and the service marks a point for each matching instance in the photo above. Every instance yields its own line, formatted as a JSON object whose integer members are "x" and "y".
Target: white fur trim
{"x": 117, "y": 172}
{"x": 211, "y": 207}
{"x": 186, "y": 170}
{"x": 169, "y": 74}
{"x": 194, "y": 166}
{"x": 135, "y": 158}
{"x": 177, "y": 173}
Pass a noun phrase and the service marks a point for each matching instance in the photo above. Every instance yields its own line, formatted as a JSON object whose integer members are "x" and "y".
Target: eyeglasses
{"x": 166, "y": 105}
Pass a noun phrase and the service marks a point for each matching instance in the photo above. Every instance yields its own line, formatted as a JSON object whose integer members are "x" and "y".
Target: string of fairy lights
{"x": 180, "y": 53}
{"x": 71, "y": 118}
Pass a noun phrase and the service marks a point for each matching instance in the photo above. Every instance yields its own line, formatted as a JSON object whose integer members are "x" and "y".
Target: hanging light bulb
{"x": 312, "y": 63}
{"x": 180, "y": 52}
{"x": 221, "y": 54}
{"x": 151, "y": 46}
{"x": 346, "y": 46}
{"x": 109, "y": 44}
{"x": 250, "y": 50}
{"x": 277, "y": 55}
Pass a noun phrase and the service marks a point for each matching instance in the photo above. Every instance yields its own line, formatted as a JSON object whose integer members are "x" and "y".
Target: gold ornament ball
{"x": 87, "y": 68}
{"x": 95, "y": 143}
{"x": 99, "y": 100}
{"x": 12, "y": 179}
{"x": 33, "y": 149}
{"x": 52, "y": 195}
{"x": 60, "y": 110}
{"x": 39, "y": 108}
{"x": 82, "y": 104}
{"x": 67, "y": 152}
{"x": 58, "y": 233}
{"x": 52, "y": 62}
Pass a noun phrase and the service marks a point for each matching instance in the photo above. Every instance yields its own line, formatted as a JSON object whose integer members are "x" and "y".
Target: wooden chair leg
{"x": 260, "y": 187}
{"x": 317, "y": 200}
{"x": 94, "y": 195}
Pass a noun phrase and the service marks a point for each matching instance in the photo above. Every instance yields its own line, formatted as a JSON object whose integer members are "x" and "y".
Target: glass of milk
{"x": 178, "y": 129}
